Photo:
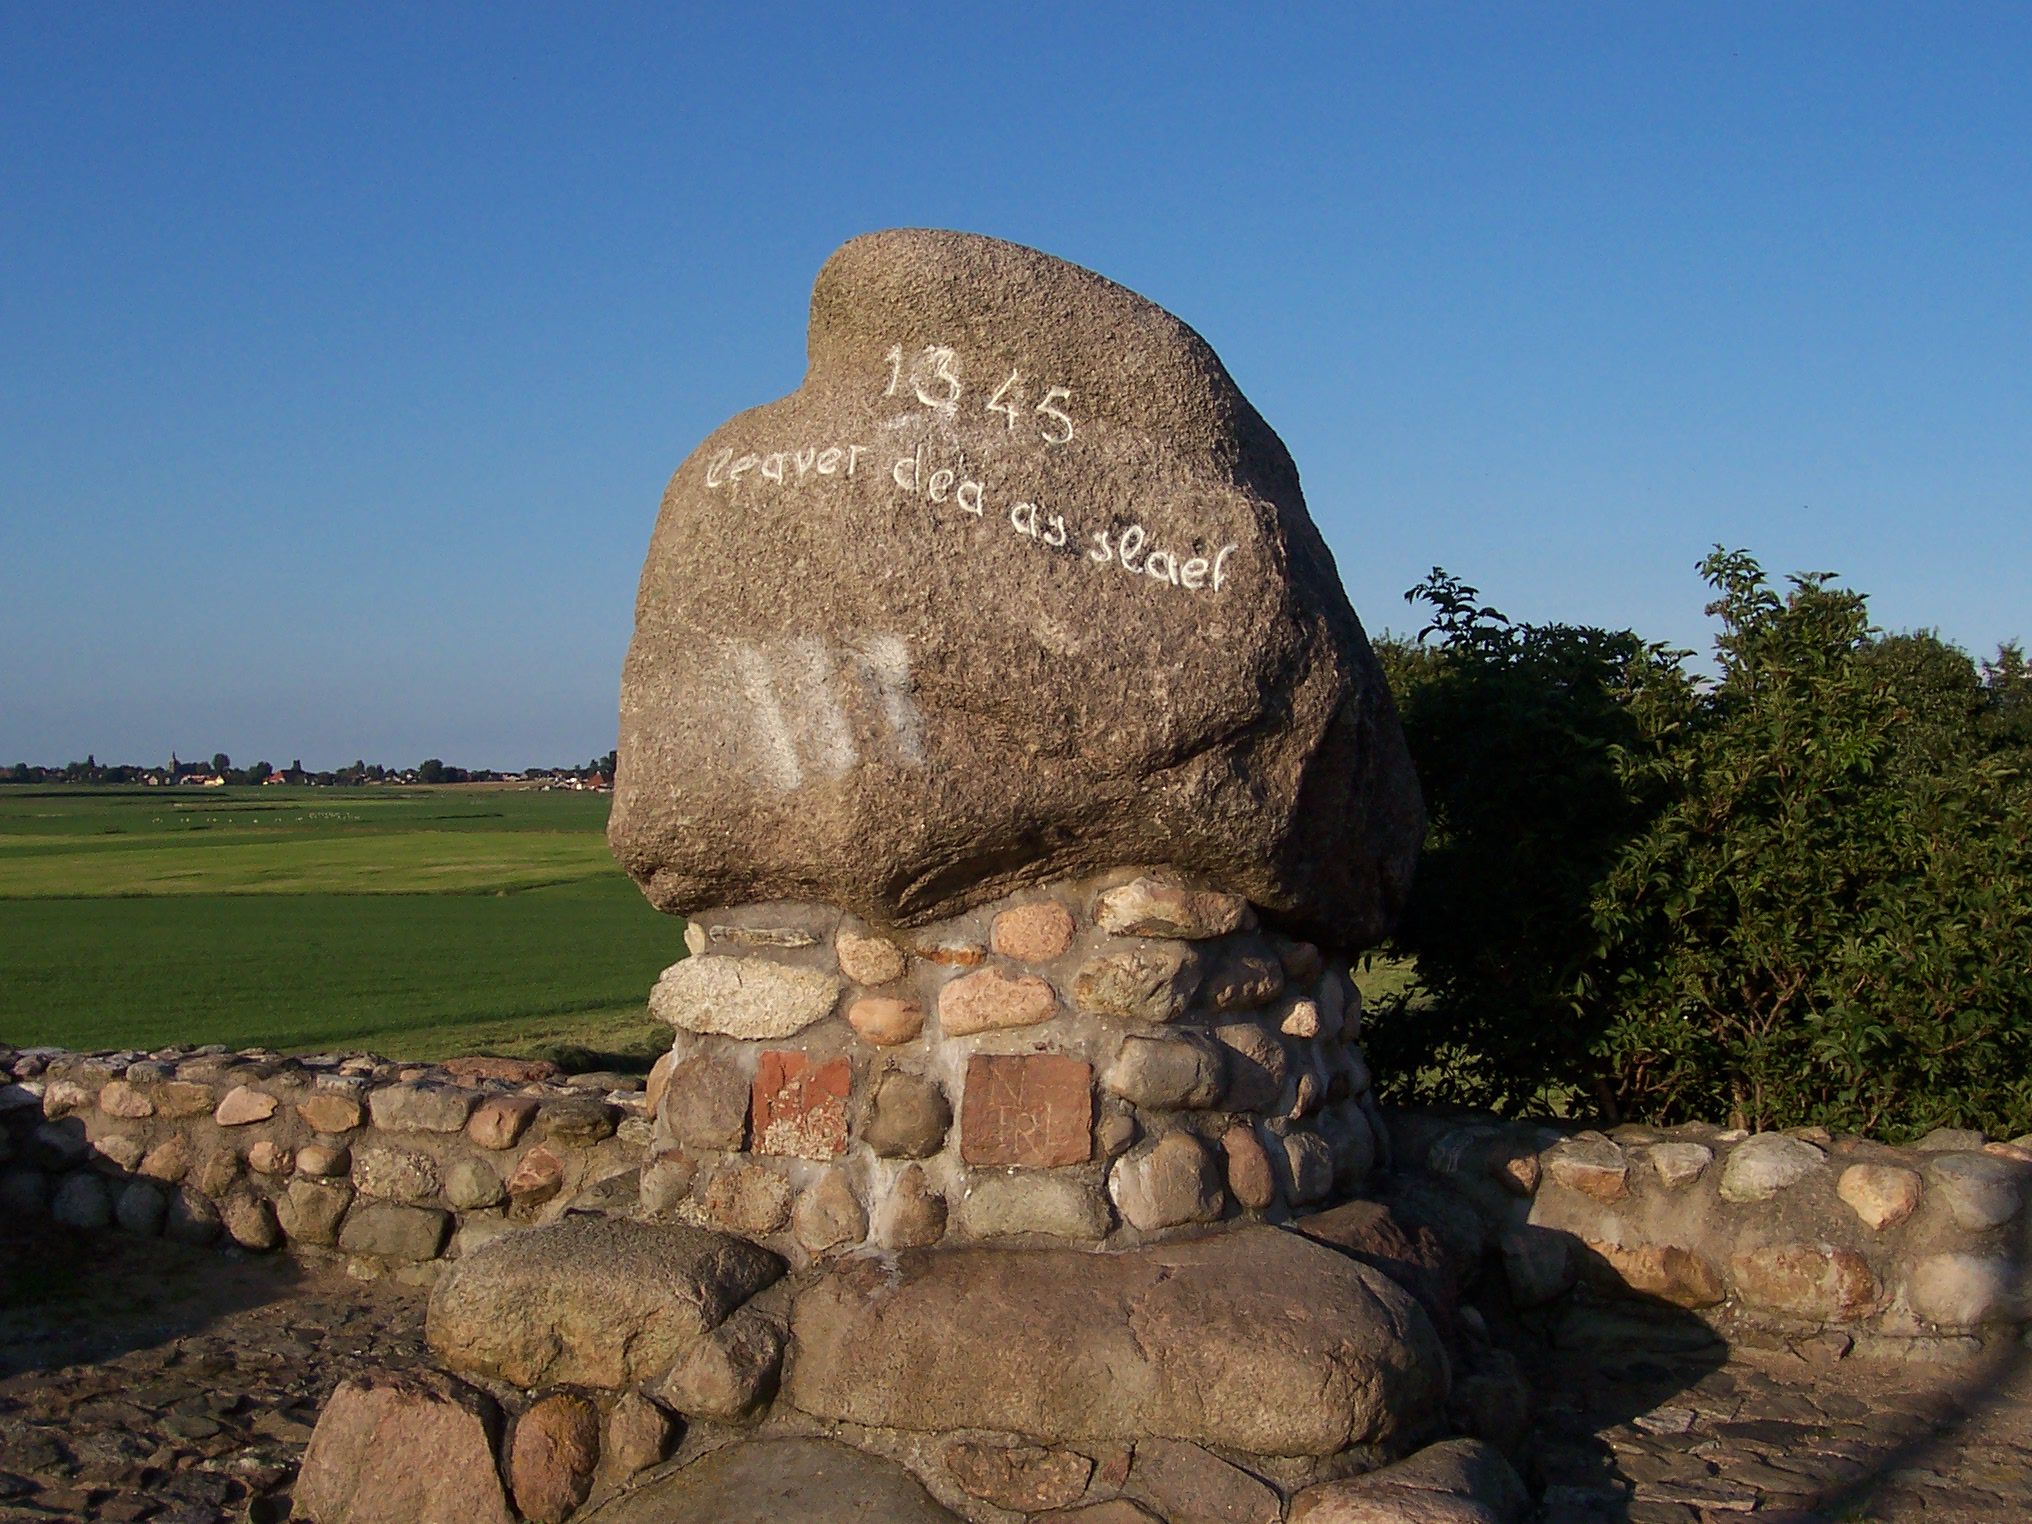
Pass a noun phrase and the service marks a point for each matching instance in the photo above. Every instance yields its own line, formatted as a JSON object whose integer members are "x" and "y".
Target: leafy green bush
{"x": 1520, "y": 734}
{"x": 1799, "y": 891}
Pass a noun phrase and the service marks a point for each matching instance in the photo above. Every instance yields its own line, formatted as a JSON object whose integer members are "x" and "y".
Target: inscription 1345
{"x": 934, "y": 366}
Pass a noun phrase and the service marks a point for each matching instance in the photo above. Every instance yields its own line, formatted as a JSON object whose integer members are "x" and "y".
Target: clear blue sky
{"x": 345, "y": 350}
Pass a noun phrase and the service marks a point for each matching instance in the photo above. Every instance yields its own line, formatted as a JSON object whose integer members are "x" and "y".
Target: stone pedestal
{"x": 1110, "y": 1061}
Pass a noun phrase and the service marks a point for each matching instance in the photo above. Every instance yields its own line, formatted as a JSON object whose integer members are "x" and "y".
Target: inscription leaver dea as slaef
{"x": 932, "y": 375}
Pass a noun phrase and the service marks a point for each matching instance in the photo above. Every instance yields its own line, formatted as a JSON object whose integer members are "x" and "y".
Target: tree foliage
{"x": 1798, "y": 891}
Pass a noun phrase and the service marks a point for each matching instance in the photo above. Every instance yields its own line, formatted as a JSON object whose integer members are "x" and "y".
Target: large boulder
{"x": 1016, "y": 586}
{"x": 596, "y": 1301}
{"x": 1255, "y": 1340}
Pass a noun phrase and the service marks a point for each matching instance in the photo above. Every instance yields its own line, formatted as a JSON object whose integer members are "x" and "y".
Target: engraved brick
{"x": 1029, "y": 1109}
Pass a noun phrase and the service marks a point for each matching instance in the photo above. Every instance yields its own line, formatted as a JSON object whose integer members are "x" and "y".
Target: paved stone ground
{"x": 145, "y": 1382}
{"x": 141, "y": 1380}
{"x": 1646, "y": 1421}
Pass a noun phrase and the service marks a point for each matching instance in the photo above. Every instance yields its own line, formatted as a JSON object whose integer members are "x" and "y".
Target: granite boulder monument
{"x": 997, "y": 722}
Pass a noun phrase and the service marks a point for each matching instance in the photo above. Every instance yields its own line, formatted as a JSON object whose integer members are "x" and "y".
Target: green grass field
{"x": 416, "y": 922}
{"x": 419, "y": 922}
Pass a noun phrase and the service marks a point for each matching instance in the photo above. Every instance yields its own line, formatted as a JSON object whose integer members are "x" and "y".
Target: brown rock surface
{"x": 907, "y": 1117}
{"x": 1258, "y": 1063}
{"x": 1592, "y": 1165}
{"x": 250, "y": 1220}
{"x": 706, "y": 1103}
{"x": 749, "y": 998}
{"x": 1202, "y": 1341}
{"x": 1882, "y": 1195}
{"x": 639, "y": 1435}
{"x": 594, "y": 1300}
{"x": 990, "y": 1000}
{"x": 538, "y": 1176}
{"x": 813, "y": 1481}
{"x": 884, "y": 1021}
{"x": 1186, "y": 1485}
{"x": 552, "y": 1456}
{"x": 396, "y": 1174}
{"x": 324, "y": 1159}
{"x": 1248, "y": 978}
{"x": 412, "y": 1446}
{"x": 1022, "y": 1478}
{"x": 499, "y": 1120}
{"x": 168, "y": 1160}
{"x": 181, "y": 1098}
{"x": 162, "y": 1332}
{"x": 752, "y": 1200}
{"x": 658, "y": 1080}
{"x": 868, "y": 959}
{"x": 1173, "y": 1182}
{"x": 1679, "y": 1276}
{"x": 310, "y": 1210}
{"x": 993, "y": 441}
{"x": 1147, "y": 907}
{"x": 120, "y": 1099}
{"x": 244, "y": 1105}
{"x": 516, "y": 1071}
{"x": 1032, "y": 933}
{"x": 913, "y": 1215}
{"x": 1249, "y": 1174}
{"x": 1169, "y": 1072}
{"x": 730, "y": 1374}
{"x": 829, "y": 1214}
{"x": 394, "y": 1232}
{"x": 1362, "y": 1501}
{"x": 1143, "y": 981}
{"x": 1008, "y": 1203}
{"x": 1809, "y": 1280}
{"x": 1981, "y": 1191}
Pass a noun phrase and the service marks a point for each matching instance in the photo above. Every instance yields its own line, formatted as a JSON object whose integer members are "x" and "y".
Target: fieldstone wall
{"x": 1111, "y": 1060}
{"x": 389, "y": 1168}
{"x": 584, "y": 1368}
{"x": 1919, "y": 1251}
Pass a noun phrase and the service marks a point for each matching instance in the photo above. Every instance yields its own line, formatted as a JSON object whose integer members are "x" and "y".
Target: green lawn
{"x": 417, "y": 922}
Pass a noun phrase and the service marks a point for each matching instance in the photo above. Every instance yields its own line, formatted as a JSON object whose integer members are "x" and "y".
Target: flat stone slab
{"x": 1256, "y": 1340}
{"x": 596, "y": 1301}
{"x": 749, "y": 998}
{"x": 815, "y": 1481}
